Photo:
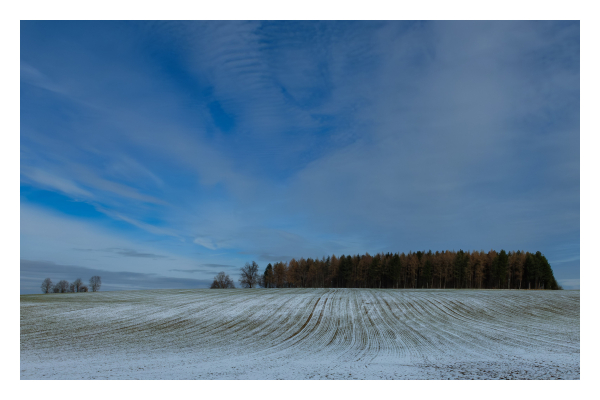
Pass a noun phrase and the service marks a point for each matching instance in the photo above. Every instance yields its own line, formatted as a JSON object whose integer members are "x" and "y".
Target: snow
{"x": 301, "y": 334}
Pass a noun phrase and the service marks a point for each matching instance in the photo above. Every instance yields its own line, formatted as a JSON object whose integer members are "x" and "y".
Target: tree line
{"x": 76, "y": 286}
{"x": 443, "y": 270}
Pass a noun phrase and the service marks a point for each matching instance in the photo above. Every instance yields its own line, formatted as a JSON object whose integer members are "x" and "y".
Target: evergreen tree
{"x": 395, "y": 270}
{"x": 501, "y": 269}
{"x": 427, "y": 272}
{"x": 375, "y": 272}
{"x": 460, "y": 266}
{"x": 267, "y": 278}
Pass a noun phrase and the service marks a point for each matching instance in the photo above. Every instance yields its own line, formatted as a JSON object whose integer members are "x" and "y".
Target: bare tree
{"x": 47, "y": 285}
{"x": 222, "y": 281}
{"x": 78, "y": 283}
{"x": 63, "y": 286}
{"x": 95, "y": 283}
{"x": 249, "y": 275}
{"x": 56, "y": 288}
{"x": 71, "y": 288}
{"x": 83, "y": 288}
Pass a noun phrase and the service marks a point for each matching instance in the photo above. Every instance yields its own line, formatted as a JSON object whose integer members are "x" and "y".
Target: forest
{"x": 420, "y": 270}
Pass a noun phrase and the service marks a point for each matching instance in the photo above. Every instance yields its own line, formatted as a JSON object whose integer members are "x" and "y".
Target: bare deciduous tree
{"x": 71, "y": 288}
{"x": 78, "y": 283}
{"x": 47, "y": 285}
{"x": 63, "y": 286}
{"x": 83, "y": 288}
{"x": 222, "y": 281}
{"x": 95, "y": 283}
{"x": 249, "y": 275}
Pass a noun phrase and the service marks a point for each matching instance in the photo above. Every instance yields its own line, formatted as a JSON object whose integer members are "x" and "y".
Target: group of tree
{"x": 249, "y": 278}
{"x": 446, "y": 269}
{"x": 222, "y": 281}
{"x": 76, "y": 286}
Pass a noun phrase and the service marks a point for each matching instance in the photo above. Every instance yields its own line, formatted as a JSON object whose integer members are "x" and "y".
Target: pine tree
{"x": 267, "y": 278}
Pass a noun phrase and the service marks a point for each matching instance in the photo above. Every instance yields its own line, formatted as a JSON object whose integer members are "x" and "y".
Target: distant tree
{"x": 375, "y": 272}
{"x": 279, "y": 278}
{"x": 478, "y": 268}
{"x": 293, "y": 274}
{"x": 499, "y": 269}
{"x": 222, "y": 281}
{"x": 547, "y": 280}
{"x": 334, "y": 266}
{"x": 83, "y": 288}
{"x": 71, "y": 288}
{"x": 47, "y": 285}
{"x": 78, "y": 283}
{"x": 427, "y": 272}
{"x": 445, "y": 269}
{"x": 63, "y": 286}
{"x": 95, "y": 283}
{"x": 266, "y": 279}
{"x": 363, "y": 269}
{"x": 249, "y": 275}
{"x": 55, "y": 288}
{"x": 531, "y": 271}
{"x": 460, "y": 267}
{"x": 345, "y": 270}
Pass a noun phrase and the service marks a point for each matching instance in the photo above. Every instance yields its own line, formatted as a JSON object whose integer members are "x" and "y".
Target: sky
{"x": 157, "y": 154}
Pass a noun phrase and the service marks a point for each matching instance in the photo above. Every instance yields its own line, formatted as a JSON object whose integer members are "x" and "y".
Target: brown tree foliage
{"x": 418, "y": 270}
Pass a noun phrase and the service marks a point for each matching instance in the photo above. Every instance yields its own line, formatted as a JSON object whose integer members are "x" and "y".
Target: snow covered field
{"x": 301, "y": 334}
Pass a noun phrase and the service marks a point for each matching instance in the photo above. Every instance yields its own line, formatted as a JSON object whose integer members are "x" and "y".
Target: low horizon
{"x": 476, "y": 265}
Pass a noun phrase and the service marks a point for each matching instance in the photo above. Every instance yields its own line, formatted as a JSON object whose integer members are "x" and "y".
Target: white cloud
{"x": 205, "y": 242}
{"x": 51, "y": 181}
{"x": 142, "y": 225}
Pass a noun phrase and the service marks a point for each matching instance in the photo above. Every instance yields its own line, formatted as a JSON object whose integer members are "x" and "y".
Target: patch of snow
{"x": 301, "y": 334}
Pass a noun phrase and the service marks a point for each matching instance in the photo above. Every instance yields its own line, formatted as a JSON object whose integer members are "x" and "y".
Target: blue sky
{"x": 157, "y": 154}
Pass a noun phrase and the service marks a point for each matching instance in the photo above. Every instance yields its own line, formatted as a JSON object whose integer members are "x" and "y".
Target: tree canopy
{"x": 445, "y": 269}
{"x": 222, "y": 281}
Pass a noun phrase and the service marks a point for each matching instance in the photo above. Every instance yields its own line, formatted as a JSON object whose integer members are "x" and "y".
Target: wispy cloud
{"x": 142, "y": 225}
{"x": 52, "y": 182}
{"x": 220, "y": 265}
{"x": 189, "y": 271}
{"x": 205, "y": 242}
{"x": 133, "y": 253}
{"x": 130, "y": 253}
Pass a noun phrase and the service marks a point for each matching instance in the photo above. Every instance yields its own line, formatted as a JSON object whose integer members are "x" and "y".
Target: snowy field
{"x": 301, "y": 334}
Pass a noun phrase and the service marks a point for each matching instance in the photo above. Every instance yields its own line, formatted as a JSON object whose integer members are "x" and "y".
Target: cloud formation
{"x": 218, "y": 142}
